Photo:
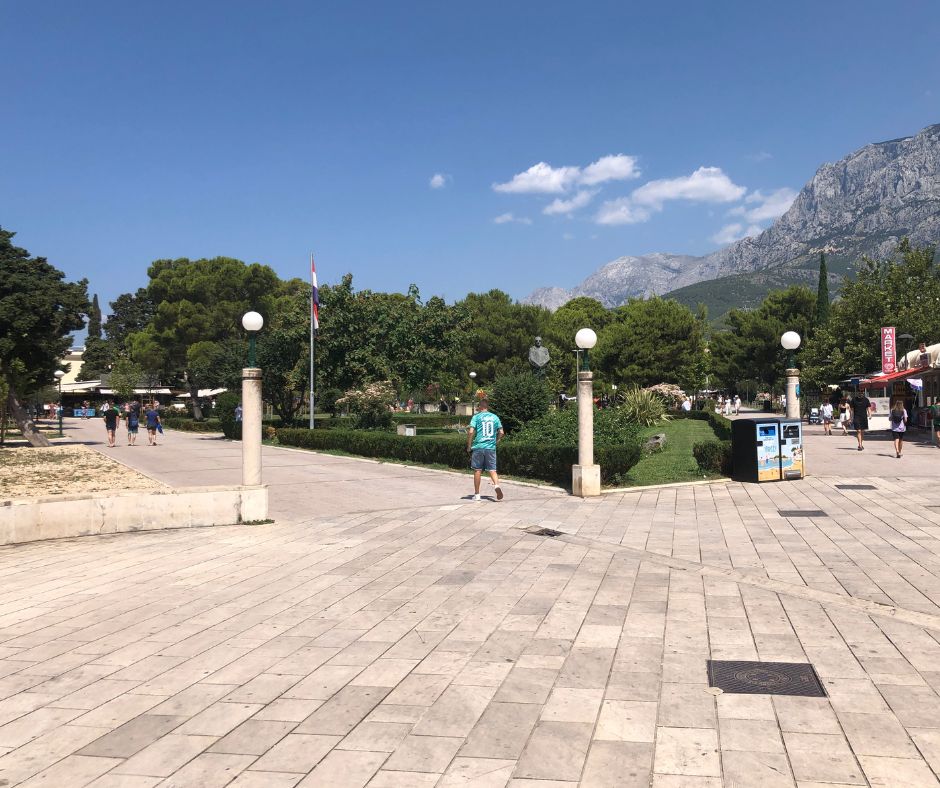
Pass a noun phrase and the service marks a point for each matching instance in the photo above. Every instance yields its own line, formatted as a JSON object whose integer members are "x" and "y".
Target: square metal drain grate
{"x": 856, "y": 487}
{"x": 801, "y": 513}
{"x": 765, "y": 678}
{"x": 543, "y": 532}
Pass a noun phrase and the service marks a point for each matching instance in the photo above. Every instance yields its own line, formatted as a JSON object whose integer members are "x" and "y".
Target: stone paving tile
{"x": 403, "y": 645}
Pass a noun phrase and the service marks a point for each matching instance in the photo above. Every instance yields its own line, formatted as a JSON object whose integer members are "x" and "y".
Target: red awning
{"x": 884, "y": 380}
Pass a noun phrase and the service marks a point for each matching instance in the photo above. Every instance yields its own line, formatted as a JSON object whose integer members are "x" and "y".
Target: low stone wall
{"x": 62, "y": 516}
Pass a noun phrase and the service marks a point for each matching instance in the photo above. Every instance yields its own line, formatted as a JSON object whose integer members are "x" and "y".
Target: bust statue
{"x": 538, "y": 356}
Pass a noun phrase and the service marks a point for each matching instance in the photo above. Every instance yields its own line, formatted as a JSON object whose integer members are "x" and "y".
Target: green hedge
{"x": 189, "y": 425}
{"x": 720, "y": 424}
{"x": 713, "y": 456}
{"x": 547, "y": 462}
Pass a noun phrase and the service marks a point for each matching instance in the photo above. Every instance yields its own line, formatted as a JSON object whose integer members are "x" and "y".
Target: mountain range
{"x": 860, "y": 205}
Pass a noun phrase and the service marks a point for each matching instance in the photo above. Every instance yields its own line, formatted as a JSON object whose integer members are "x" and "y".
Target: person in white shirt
{"x": 737, "y": 404}
{"x": 826, "y": 413}
{"x": 686, "y": 404}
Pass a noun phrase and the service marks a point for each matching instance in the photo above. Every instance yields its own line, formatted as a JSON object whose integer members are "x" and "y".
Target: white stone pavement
{"x": 386, "y": 632}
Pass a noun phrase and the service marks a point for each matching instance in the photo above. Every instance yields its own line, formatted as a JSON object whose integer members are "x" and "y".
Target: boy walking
{"x": 486, "y": 431}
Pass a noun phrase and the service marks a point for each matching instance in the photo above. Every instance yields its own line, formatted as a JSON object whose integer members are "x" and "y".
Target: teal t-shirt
{"x": 485, "y": 427}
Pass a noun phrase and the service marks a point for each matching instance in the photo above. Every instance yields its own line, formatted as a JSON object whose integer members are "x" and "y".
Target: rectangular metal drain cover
{"x": 543, "y": 532}
{"x": 856, "y": 487}
{"x": 801, "y": 513}
{"x": 765, "y": 678}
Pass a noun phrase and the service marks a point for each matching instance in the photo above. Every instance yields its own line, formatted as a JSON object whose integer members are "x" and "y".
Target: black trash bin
{"x": 755, "y": 450}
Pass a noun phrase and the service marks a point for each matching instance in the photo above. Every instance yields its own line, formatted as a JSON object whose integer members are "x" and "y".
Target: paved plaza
{"x": 385, "y": 631}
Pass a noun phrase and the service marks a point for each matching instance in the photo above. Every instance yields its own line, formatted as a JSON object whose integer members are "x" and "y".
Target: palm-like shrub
{"x": 643, "y": 407}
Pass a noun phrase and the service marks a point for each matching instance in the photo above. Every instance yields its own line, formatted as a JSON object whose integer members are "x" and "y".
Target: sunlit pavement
{"x": 387, "y": 632}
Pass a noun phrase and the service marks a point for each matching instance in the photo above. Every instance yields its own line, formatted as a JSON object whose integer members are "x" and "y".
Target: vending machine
{"x": 791, "y": 449}
{"x": 755, "y": 450}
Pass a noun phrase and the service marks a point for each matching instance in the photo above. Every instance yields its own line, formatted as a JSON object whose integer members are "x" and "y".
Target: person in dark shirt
{"x": 111, "y": 418}
{"x": 861, "y": 406}
{"x": 133, "y": 422}
{"x": 153, "y": 420}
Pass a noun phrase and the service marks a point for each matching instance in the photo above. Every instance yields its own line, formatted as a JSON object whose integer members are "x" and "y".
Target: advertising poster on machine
{"x": 768, "y": 452}
{"x": 791, "y": 450}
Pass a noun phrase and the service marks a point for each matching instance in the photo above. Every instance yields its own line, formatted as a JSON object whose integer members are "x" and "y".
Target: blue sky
{"x": 265, "y": 131}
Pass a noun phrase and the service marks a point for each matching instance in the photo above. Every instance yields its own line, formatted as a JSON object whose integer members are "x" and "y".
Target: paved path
{"x": 434, "y": 641}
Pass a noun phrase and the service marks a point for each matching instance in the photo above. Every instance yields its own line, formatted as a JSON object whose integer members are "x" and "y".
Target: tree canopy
{"x": 38, "y": 312}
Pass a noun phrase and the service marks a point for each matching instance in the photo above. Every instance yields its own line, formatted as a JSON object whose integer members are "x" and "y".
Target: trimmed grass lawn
{"x": 674, "y": 463}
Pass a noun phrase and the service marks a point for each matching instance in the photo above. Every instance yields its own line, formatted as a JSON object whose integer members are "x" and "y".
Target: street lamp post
{"x": 790, "y": 342}
{"x": 586, "y": 476}
{"x": 59, "y": 374}
{"x": 473, "y": 392}
{"x": 251, "y": 406}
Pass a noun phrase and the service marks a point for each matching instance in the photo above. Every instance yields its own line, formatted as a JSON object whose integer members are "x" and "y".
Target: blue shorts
{"x": 483, "y": 460}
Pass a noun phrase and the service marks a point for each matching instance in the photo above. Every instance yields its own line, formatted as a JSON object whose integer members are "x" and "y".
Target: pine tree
{"x": 822, "y": 293}
{"x": 94, "y": 319}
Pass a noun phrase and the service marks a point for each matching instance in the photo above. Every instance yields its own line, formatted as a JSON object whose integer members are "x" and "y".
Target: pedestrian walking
{"x": 935, "y": 416}
{"x": 111, "y": 418}
{"x": 484, "y": 434}
{"x": 728, "y": 407}
{"x": 687, "y": 405}
{"x": 133, "y": 423}
{"x": 153, "y": 424}
{"x": 238, "y": 412}
{"x": 825, "y": 411}
{"x": 898, "y": 421}
{"x": 737, "y": 404}
{"x": 861, "y": 406}
{"x": 845, "y": 415}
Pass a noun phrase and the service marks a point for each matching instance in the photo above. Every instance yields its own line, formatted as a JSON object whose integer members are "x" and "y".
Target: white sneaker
{"x": 476, "y": 497}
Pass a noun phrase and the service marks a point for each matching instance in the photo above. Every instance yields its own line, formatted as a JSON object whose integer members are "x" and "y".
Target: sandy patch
{"x": 27, "y": 472}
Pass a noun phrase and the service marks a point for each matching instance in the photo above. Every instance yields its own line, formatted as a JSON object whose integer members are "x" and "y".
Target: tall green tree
{"x": 499, "y": 334}
{"x": 94, "y": 319}
{"x": 822, "y": 292}
{"x": 200, "y": 301}
{"x": 38, "y": 312}
{"x": 649, "y": 341}
{"x": 750, "y": 349}
{"x": 902, "y": 290}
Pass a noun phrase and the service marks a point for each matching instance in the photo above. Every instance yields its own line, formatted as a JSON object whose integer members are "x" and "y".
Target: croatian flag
{"x": 314, "y": 296}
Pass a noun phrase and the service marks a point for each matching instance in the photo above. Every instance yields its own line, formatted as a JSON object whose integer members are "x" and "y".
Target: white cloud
{"x": 765, "y": 206}
{"x": 706, "y": 184}
{"x": 621, "y": 211}
{"x": 559, "y": 205}
{"x": 507, "y": 218}
{"x": 618, "y": 167}
{"x": 760, "y": 156}
{"x": 540, "y": 178}
{"x": 735, "y": 232}
{"x": 438, "y": 180}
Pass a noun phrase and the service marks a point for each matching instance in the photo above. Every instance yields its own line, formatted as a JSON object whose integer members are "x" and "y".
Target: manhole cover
{"x": 765, "y": 678}
{"x": 856, "y": 487}
{"x": 801, "y": 513}
{"x": 543, "y": 532}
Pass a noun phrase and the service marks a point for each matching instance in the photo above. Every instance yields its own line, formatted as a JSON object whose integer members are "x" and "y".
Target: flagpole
{"x": 313, "y": 283}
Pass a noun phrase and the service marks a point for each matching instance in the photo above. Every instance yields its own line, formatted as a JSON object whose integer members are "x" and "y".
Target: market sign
{"x": 888, "y": 351}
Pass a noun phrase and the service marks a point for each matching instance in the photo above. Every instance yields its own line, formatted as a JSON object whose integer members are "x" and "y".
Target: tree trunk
{"x": 197, "y": 408}
{"x": 23, "y": 421}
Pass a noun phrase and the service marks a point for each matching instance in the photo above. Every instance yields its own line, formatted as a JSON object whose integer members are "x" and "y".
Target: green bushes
{"x": 225, "y": 405}
{"x": 713, "y": 456}
{"x": 720, "y": 424}
{"x": 186, "y": 424}
{"x": 519, "y": 397}
{"x": 612, "y": 427}
{"x": 548, "y": 462}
